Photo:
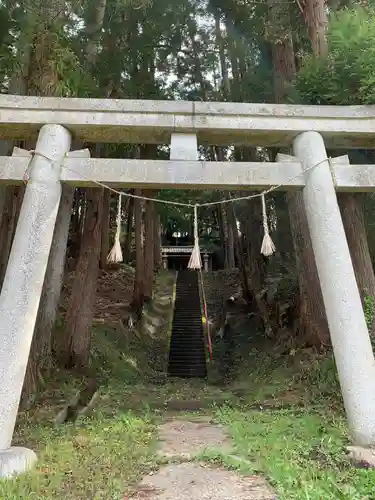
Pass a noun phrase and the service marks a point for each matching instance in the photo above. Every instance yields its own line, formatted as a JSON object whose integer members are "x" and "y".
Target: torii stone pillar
{"x": 23, "y": 282}
{"x": 349, "y": 334}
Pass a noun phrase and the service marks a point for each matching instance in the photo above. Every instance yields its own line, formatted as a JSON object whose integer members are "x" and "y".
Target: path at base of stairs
{"x": 184, "y": 440}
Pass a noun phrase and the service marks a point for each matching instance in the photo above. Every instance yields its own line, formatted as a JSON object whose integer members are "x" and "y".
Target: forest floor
{"x": 281, "y": 426}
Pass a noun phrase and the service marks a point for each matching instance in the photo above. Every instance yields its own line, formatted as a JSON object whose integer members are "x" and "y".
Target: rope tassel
{"x": 268, "y": 247}
{"x": 195, "y": 261}
{"x": 115, "y": 255}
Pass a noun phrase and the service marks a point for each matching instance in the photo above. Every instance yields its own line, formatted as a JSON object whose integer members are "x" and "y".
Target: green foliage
{"x": 369, "y": 311}
{"x": 347, "y": 75}
{"x": 322, "y": 375}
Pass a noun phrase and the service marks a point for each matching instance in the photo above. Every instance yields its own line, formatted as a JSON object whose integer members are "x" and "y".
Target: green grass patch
{"x": 301, "y": 452}
{"x": 100, "y": 458}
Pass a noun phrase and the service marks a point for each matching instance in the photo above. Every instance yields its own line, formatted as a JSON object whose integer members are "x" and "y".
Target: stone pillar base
{"x": 16, "y": 460}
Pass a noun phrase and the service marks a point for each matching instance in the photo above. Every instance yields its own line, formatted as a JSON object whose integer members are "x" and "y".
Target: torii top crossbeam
{"x": 215, "y": 123}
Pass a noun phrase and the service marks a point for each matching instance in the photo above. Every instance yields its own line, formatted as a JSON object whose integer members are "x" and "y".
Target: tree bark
{"x": 18, "y": 86}
{"x": 354, "y": 223}
{"x": 50, "y": 298}
{"x": 76, "y": 344}
{"x": 75, "y": 350}
{"x": 231, "y": 244}
{"x": 313, "y": 326}
{"x": 129, "y": 232}
{"x": 229, "y": 257}
{"x": 284, "y": 68}
{"x": 316, "y": 19}
{"x": 157, "y": 240}
{"x": 232, "y": 223}
{"x": 149, "y": 249}
{"x": 7, "y": 227}
{"x": 94, "y": 34}
{"x": 223, "y": 62}
{"x": 105, "y": 230}
{"x": 138, "y": 292}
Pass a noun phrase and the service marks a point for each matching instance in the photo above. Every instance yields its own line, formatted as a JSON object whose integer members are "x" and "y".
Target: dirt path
{"x": 187, "y": 479}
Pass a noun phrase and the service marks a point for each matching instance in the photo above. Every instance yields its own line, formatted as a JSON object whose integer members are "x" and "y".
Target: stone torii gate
{"x": 54, "y": 121}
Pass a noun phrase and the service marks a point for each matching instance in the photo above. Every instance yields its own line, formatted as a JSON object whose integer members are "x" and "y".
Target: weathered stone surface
{"x": 115, "y": 120}
{"x": 364, "y": 457}
{"x": 180, "y": 438}
{"x": 23, "y": 282}
{"x": 190, "y": 481}
{"x": 158, "y": 174}
{"x": 184, "y": 147}
{"x": 16, "y": 460}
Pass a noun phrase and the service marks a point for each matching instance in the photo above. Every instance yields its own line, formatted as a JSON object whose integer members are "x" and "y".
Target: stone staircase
{"x": 187, "y": 348}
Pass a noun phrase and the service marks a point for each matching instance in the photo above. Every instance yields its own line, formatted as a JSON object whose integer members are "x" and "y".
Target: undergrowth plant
{"x": 347, "y": 74}
{"x": 369, "y": 311}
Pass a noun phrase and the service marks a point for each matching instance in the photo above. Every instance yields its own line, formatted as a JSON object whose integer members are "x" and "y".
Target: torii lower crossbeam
{"x": 180, "y": 174}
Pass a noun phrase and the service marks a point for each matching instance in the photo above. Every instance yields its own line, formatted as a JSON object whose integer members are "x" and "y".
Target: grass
{"x": 283, "y": 413}
{"x": 301, "y": 453}
{"x": 97, "y": 459}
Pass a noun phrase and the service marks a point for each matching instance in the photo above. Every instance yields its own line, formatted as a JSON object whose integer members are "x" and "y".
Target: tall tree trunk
{"x": 231, "y": 243}
{"x": 251, "y": 225}
{"x": 39, "y": 77}
{"x": 254, "y": 236}
{"x": 223, "y": 62}
{"x": 138, "y": 292}
{"x": 149, "y": 248}
{"x": 74, "y": 243}
{"x": 19, "y": 192}
{"x": 8, "y": 219}
{"x": 316, "y": 19}
{"x": 77, "y": 336}
{"x": 157, "y": 240}
{"x": 75, "y": 350}
{"x": 105, "y": 230}
{"x": 148, "y": 151}
{"x": 313, "y": 326}
{"x": 17, "y": 86}
{"x": 50, "y": 298}
{"x": 232, "y": 222}
{"x": 94, "y": 34}
{"x": 354, "y": 223}
{"x": 222, "y": 235}
{"x": 129, "y": 232}
{"x": 284, "y": 69}
{"x": 236, "y": 87}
